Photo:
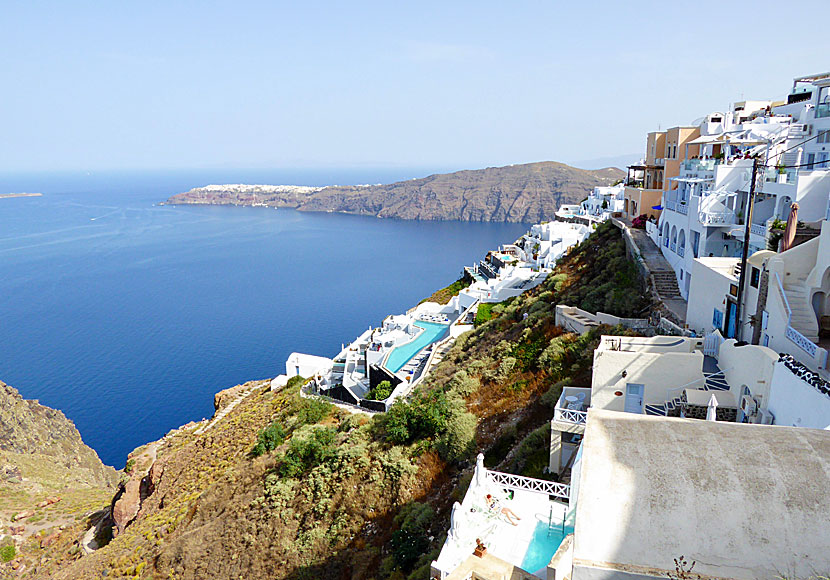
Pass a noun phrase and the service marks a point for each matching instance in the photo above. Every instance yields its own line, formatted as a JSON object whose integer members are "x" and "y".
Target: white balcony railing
{"x": 710, "y": 218}
{"x": 670, "y": 204}
{"x": 564, "y": 415}
{"x": 519, "y": 482}
{"x": 681, "y": 251}
{"x": 758, "y": 230}
{"x": 683, "y": 208}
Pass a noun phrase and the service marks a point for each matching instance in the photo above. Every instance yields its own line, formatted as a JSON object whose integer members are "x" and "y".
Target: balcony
{"x": 683, "y": 208}
{"x": 670, "y": 204}
{"x": 699, "y": 164}
{"x": 758, "y": 230}
{"x": 572, "y": 406}
{"x": 717, "y": 218}
{"x": 681, "y": 251}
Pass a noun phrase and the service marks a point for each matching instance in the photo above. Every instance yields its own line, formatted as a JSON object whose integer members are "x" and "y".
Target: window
{"x": 733, "y": 290}
{"x": 821, "y": 160}
{"x": 754, "y": 277}
{"x": 717, "y": 319}
{"x": 811, "y": 158}
{"x": 823, "y": 136}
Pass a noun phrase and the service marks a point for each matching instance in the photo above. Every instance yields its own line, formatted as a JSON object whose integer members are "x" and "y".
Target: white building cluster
{"x": 710, "y": 451}
{"x": 404, "y": 347}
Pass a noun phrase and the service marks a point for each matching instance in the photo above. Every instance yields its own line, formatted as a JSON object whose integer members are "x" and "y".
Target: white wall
{"x": 707, "y": 292}
{"x": 306, "y": 365}
{"x": 795, "y": 403}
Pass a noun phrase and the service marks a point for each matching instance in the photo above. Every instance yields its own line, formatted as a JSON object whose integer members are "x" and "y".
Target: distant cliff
{"x": 516, "y": 193}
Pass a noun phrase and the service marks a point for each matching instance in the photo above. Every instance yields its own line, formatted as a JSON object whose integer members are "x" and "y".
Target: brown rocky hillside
{"x": 529, "y": 193}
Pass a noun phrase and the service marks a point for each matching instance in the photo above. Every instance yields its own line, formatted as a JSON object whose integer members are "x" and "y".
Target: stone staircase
{"x": 713, "y": 381}
{"x": 665, "y": 283}
{"x": 803, "y": 318}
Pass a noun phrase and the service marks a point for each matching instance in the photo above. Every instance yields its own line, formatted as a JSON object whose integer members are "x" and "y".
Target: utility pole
{"x": 750, "y": 205}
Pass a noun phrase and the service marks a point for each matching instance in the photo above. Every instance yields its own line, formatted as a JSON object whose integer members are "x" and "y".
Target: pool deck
{"x": 503, "y": 540}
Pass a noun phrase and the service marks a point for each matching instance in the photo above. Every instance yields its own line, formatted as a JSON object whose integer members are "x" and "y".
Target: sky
{"x": 178, "y": 85}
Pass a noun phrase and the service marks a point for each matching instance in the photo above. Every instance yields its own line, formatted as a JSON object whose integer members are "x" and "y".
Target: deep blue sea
{"x": 129, "y": 316}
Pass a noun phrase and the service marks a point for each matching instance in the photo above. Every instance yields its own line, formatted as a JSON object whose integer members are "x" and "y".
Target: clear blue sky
{"x": 112, "y": 85}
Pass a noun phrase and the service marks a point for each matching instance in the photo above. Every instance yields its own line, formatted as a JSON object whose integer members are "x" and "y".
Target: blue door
{"x": 731, "y": 307}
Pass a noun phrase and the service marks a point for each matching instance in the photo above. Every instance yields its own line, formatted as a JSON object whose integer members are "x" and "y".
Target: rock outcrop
{"x": 530, "y": 192}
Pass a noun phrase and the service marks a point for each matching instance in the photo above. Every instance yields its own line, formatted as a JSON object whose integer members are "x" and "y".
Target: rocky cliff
{"x": 516, "y": 193}
{"x": 49, "y": 479}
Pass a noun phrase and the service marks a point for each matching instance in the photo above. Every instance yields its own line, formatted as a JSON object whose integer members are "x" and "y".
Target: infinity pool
{"x": 543, "y": 546}
{"x": 401, "y": 355}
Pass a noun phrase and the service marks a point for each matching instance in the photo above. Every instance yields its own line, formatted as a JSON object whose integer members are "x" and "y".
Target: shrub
{"x": 381, "y": 392}
{"x": 312, "y": 411}
{"x": 7, "y": 553}
{"x": 463, "y": 384}
{"x": 484, "y": 314}
{"x": 457, "y": 442}
{"x": 532, "y": 455}
{"x": 269, "y": 439}
{"x": 294, "y": 381}
{"x": 410, "y": 540}
{"x": 306, "y": 451}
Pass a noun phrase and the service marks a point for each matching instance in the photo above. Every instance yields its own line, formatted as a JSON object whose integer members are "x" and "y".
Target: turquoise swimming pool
{"x": 401, "y": 355}
{"x": 543, "y": 546}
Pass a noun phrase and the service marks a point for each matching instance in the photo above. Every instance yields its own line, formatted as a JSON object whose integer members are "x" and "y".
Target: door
{"x": 634, "y": 398}
{"x": 731, "y": 307}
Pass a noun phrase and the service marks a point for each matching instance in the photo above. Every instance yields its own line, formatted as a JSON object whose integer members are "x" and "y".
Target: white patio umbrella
{"x": 712, "y": 409}
{"x": 454, "y": 517}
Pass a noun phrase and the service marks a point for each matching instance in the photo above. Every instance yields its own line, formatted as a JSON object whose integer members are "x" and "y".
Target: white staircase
{"x": 803, "y": 318}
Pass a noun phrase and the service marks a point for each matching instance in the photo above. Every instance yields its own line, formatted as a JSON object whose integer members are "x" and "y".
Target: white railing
{"x": 519, "y": 482}
{"x": 683, "y": 208}
{"x": 681, "y": 251}
{"x": 758, "y": 230}
{"x": 714, "y": 218}
{"x": 792, "y": 334}
{"x": 670, "y": 204}
{"x": 565, "y": 415}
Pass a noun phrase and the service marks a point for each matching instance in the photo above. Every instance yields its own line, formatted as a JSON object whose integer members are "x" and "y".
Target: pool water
{"x": 401, "y": 355}
{"x": 543, "y": 546}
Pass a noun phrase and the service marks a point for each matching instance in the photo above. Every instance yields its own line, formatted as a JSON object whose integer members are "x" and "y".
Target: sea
{"x": 128, "y": 315}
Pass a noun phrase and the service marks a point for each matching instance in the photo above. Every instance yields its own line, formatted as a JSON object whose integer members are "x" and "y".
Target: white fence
{"x": 519, "y": 482}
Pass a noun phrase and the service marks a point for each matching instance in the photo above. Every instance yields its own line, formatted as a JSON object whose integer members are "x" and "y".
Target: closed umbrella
{"x": 789, "y": 231}
{"x": 454, "y": 517}
{"x": 712, "y": 409}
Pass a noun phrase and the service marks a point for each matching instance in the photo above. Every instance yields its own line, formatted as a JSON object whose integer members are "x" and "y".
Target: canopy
{"x": 657, "y": 207}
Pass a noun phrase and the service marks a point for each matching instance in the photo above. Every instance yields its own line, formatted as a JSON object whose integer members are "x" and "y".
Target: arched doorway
{"x": 820, "y": 302}
{"x": 681, "y": 243}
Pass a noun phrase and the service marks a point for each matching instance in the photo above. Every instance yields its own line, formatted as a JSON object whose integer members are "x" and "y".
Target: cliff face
{"x": 517, "y": 193}
{"x": 49, "y": 480}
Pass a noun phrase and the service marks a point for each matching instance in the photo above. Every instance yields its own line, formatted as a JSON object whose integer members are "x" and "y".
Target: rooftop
{"x": 742, "y": 501}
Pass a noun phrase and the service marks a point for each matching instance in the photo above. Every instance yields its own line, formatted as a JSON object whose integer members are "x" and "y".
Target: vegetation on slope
{"x": 330, "y": 494}
{"x": 444, "y": 295}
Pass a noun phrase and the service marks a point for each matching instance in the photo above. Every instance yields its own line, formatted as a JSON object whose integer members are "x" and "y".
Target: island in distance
{"x": 529, "y": 193}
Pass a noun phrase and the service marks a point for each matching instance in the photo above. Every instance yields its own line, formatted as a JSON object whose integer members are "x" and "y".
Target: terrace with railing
{"x": 572, "y": 406}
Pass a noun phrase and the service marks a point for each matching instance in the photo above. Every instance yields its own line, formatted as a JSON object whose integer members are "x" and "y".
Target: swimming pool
{"x": 401, "y": 355}
{"x": 543, "y": 546}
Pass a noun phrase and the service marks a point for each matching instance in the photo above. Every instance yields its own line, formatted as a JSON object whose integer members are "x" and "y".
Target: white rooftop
{"x": 742, "y": 501}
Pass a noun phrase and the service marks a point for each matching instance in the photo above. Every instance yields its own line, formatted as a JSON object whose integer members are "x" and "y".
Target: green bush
{"x": 410, "y": 541}
{"x": 457, "y": 441}
{"x": 7, "y": 553}
{"x": 307, "y": 451}
{"x": 381, "y": 392}
{"x": 269, "y": 439}
{"x": 483, "y": 314}
{"x": 295, "y": 381}
{"x": 463, "y": 384}
{"x": 312, "y": 411}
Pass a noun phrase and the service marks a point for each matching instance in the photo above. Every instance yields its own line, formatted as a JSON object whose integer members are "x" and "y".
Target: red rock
{"x": 53, "y": 499}
{"x": 127, "y": 505}
{"x": 49, "y": 540}
{"x": 17, "y": 530}
{"x": 23, "y": 515}
{"x": 43, "y": 504}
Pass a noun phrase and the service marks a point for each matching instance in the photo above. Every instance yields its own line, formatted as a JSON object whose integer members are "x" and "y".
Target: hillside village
{"x": 737, "y": 206}
{"x": 636, "y": 389}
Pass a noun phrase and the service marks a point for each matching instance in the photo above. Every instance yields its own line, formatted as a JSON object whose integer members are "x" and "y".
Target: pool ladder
{"x": 550, "y": 522}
